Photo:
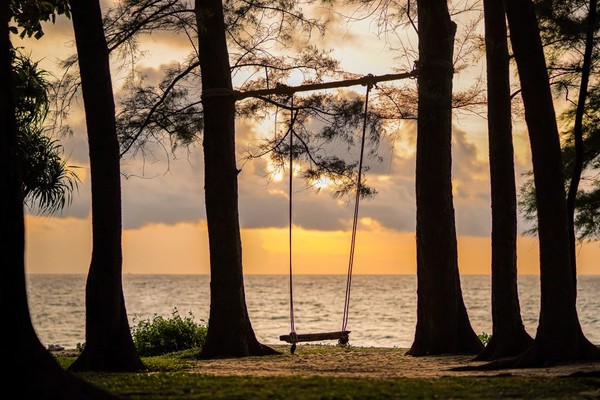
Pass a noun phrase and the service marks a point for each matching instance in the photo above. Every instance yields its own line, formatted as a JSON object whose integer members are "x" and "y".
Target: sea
{"x": 382, "y": 308}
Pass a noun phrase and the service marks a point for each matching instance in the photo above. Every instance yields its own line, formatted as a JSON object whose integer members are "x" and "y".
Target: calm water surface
{"x": 382, "y": 308}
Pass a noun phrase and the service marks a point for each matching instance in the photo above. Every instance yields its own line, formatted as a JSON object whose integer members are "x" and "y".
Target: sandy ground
{"x": 377, "y": 363}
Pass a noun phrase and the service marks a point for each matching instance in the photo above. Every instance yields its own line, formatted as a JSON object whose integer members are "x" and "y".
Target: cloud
{"x": 471, "y": 186}
{"x": 161, "y": 189}
{"x": 57, "y": 44}
{"x": 264, "y": 201}
{"x": 75, "y": 145}
{"x": 395, "y": 205}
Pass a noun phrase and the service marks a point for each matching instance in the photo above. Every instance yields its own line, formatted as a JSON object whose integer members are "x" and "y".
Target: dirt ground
{"x": 362, "y": 362}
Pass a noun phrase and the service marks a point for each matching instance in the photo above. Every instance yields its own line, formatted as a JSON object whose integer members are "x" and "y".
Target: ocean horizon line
{"x": 273, "y": 274}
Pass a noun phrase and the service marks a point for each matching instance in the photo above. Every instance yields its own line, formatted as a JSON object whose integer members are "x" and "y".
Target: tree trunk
{"x": 509, "y": 337}
{"x": 27, "y": 358}
{"x": 559, "y": 337}
{"x": 586, "y": 69}
{"x": 230, "y": 332}
{"x": 109, "y": 345}
{"x": 442, "y": 322}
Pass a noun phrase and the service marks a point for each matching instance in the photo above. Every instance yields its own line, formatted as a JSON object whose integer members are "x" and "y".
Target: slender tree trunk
{"x": 109, "y": 345}
{"x": 442, "y": 322}
{"x": 230, "y": 332}
{"x": 509, "y": 337}
{"x": 559, "y": 337}
{"x": 586, "y": 69}
{"x": 25, "y": 355}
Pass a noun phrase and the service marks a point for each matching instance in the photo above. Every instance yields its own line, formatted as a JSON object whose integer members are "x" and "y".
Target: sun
{"x": 276, "y": 172}
{"x": 322, "y": 182}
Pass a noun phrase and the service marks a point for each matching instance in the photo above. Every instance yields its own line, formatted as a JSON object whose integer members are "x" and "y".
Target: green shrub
{"x": 159, "y": 335}
{"x": 485, "y": 338}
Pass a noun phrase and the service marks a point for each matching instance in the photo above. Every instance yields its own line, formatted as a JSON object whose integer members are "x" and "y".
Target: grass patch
{"x": 171, "y": 376}
{"x": 181, "y": 385}
{"x": 177, "y": 361}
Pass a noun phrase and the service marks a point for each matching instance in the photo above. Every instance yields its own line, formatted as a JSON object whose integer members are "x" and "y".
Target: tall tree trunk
{"x": 442, "y": 322}
{"x": 559, "y": 337}
{"x": 509, "y": 337}
{"x": 586, "y": 69}
{"x": 230, "y": 332}
{"x": 29, "y": 361}
{"x": 109, "y": 345}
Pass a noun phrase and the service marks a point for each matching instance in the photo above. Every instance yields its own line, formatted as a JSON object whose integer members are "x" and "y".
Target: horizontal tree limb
{"x": 289, "y": 90}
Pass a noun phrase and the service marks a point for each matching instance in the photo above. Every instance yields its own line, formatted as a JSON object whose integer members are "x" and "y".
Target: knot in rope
{"x": 369, "y": 81}
{"x": 216, "y": 92}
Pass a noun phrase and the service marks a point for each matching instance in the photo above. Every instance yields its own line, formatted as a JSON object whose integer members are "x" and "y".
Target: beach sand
{"x": 368, "y": 362}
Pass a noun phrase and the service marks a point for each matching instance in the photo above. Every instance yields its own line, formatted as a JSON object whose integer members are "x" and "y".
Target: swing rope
{"x": 356, "y": 207}
{"x": 343, "y": 335}
{"x": 291, "y": 174}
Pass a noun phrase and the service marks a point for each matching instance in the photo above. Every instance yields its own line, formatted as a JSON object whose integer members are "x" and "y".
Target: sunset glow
{"x": 63, "y": 246}
{"x": 163, "y": 203}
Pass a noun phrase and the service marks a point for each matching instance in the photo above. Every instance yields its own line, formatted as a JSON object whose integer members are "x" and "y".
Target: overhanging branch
{"x": 289, "y": 90}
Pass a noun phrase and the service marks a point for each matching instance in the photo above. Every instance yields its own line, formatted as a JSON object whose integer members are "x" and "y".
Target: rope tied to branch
{"x": 217, "y": 92}
{"x": 293, "y": 335}
{"x": 369, "y": 84}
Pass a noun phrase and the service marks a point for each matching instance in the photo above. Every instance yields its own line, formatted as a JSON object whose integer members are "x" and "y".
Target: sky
{"x": 164, "y": 219}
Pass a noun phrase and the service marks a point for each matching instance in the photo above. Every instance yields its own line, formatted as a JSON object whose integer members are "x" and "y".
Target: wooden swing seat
{"x": 316, "y": 337}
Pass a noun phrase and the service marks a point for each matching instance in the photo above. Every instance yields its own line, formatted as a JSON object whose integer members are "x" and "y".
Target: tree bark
{"x": 509, "y": 337}
{"x": 559, "y": 336}
{"x": 586, "y": 69}
{"x": 29, "y": 361}
{"x": 109, "y": 345}
{"x": 442, "y": 322}
{"x": 230, "y": 332}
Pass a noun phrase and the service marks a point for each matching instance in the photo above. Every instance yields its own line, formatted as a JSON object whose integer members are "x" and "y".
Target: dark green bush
{"x": 159, "y": 335}
{"x": 485, "y": 338}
